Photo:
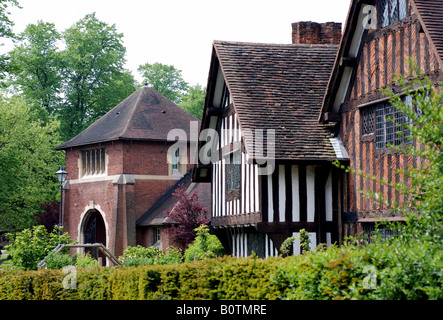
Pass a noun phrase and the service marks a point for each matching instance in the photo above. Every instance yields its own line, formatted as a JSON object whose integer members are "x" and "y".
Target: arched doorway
{"x": 94, "y": 231}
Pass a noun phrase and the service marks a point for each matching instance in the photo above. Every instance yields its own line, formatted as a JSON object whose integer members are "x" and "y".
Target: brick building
{"x": 272, "y": 89}
{"x": 371, "y": 53}
{"x": 324, "y": 102}
{"x": 119, "y": 167}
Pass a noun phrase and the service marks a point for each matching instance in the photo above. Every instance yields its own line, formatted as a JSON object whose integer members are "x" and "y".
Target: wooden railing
{"x": 100, "y": 247}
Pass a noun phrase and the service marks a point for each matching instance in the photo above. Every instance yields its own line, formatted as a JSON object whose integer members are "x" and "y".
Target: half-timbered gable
{"x": 270, "y": 166}
{"x": 380, "y": 38}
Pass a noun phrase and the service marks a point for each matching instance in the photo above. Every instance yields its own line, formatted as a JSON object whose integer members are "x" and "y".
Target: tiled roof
{"x": 431, "y": 13}
{"x": 281, "y": 87}
{"x": 155, "y": 216}
{"x": 144, "y": 115}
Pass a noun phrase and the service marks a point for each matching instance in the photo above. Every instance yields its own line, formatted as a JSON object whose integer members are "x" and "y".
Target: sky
{"x": 181, "y": 32}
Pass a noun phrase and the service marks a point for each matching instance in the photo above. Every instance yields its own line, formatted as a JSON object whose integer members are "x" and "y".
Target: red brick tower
{"x": 118, "y": 168}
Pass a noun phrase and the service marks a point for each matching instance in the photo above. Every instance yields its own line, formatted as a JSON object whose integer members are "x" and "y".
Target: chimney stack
{"x": 316, "y": 33}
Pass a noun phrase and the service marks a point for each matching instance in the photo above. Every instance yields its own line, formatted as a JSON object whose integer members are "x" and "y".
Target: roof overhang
{"x": 346, "y": 61}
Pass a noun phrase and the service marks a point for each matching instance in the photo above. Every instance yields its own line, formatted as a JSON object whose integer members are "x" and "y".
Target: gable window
{"x": 391, "y": 11}
{"x": 93, "y": 161}
{"x": 233, "y": 172}
{"x": 389, "y": 124}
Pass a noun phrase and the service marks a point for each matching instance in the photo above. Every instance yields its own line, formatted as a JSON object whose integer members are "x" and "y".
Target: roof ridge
{"x": 221, "y": 42}
{"x": 134, "y": 107}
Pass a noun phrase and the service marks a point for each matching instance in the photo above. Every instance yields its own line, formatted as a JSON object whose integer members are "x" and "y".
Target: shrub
{"x": 29, "y": 247}
{"x": 187, "y": 215}
{"x": 57, "y": 260}
{"x": 286, "y": 246}
{"x": 393, "y": 270}
{"x": 204, "y": 246}
{"x": 142, "y": 256}
{"x": 84, "y": 261}
{"x": 219, "y": 278}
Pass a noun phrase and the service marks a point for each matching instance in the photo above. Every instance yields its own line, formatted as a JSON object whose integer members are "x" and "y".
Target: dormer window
{"x": 391, "y": 11}
{"x": 93, "y": 162}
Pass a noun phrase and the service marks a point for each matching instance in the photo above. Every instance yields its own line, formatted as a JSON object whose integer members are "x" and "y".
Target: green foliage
{"x": 141, "y": 256}
{"x": 165, "y": 79}
{"x": 30, "y": 246}
{"x": 422, "y": 189}
{"x": 27, "y": 163}
{"x": 6, "y": 29}
{"x": 59, "y": 260}
{"x": 204, "y": 246}
{"x": 223, "y": 278}
{"x": 35, "y": 65}
{"x": 93, "y": 68}
{"x": 401, "y": 271}
{"x": 286, "y": 246}
{"x": 78, "y": 83}
{"x": 194, "y": 100}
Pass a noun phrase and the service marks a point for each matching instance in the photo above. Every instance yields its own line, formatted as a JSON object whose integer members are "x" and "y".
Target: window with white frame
{"x": 93, "y": 161}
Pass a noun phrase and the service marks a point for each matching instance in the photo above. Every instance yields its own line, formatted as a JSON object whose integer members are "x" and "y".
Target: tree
{"x": 35, "y": 66}
{"x": 166, "y": 79}
{"x": 194, "y": 101}
{"x": 93, "y": 60}
{"x": 78, "y": 84}
{"x": 6, "y": 28}
{"x": 49, "y": 214}
{"x": 27, "y": 163}
{"x": 186, "y": 216}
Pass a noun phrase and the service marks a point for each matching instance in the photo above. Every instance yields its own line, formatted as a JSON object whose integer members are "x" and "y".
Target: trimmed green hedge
{"x": 220, "y": 278}
{"x": 388, "y": 271}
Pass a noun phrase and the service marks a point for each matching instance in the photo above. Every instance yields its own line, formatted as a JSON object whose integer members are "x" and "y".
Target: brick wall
{"x": 309, "y": 32}
{"x": 120, "y": 204}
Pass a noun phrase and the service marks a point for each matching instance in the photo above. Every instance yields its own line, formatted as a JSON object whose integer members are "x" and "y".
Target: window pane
{"x": 380, "y": 127}
{"x": 384, "y": 9}
{"x": 399, "y": 128}
{"x": 403, "y": 8}
{"x": 233, "y": 172}
{"x": 175, "y": 159}
{"x": 389, "y": 123}
{"x": 368, "y": 120}
{"x": 84, "y": 162}
{"x": 393, "y": 7}
{"x": 407, "y": 122}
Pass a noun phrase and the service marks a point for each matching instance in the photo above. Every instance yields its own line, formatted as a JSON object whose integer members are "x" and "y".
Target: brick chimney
{"x": 316, "y": 33}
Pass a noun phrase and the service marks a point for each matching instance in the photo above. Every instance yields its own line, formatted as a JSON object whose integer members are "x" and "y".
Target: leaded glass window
{"x": 392, "y": 11}
{"x": 233, "y": 171}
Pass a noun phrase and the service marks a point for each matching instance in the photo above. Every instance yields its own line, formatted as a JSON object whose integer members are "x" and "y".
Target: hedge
{"x": 224, "y": 278}
{"x": 411, "y": 271}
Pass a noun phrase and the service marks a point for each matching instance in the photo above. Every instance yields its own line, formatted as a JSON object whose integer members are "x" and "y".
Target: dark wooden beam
{"x": 331, "y": 117}
{"x": 348, "y": 62}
